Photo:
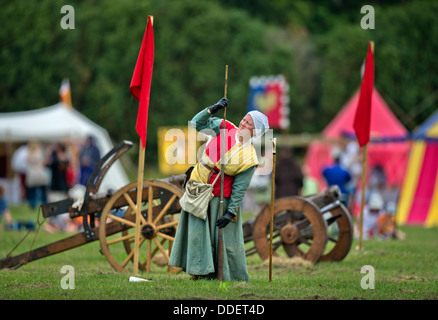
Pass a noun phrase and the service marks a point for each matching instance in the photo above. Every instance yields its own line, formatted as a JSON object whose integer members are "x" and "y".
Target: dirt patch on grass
{"x": 281, "y": 262}
{"x": 320, "y": 297}
{"x": 403, "y": 278}
{"x": 33, "y": 285}
{"x": 255, "y": 296}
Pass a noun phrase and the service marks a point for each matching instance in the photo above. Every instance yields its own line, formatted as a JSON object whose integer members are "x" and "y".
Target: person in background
{"x": 88, "y": 159}
{"x": 289, "y": 177}
{"x": 4, "y": 210}
{"x": 36, "y": 175}
{"x": 58, "y": 164}
{"x": 337, "y": 175}
{"x": 19, "y": 164}
{"x": 371, "y": 214}
{"x": 73, "y": 165}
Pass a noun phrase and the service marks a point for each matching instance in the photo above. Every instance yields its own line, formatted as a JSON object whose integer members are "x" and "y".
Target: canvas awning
{"x": 57, "y": 123}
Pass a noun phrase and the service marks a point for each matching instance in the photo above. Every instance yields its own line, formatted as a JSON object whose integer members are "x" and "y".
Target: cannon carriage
{"x": 302, "y": 225}
{"x": 315, "y": 228}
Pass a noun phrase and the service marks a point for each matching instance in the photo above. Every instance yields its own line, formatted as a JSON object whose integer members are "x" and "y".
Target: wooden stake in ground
{"x": 271, "y": 229}
{"x": 220, "y": 243}
{"x": 362, "y": 124}
{"x": 362, "y": 196}
{"x": 138, "y": 207}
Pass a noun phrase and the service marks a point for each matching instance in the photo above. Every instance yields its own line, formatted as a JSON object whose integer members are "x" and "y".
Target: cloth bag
{"x": 196, "y": 198}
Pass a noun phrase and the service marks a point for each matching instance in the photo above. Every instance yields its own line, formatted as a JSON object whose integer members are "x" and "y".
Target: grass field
{"x": 403, "y": 269}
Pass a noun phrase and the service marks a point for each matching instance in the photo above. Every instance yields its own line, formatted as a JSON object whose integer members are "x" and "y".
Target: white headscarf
{"x": 261, "y": 123}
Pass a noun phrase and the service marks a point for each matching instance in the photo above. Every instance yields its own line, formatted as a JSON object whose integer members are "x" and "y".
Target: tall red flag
{"x": 362, "y": 118}
{"x": 140, "y": 86}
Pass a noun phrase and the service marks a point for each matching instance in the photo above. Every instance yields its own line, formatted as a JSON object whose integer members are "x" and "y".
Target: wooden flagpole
{"x": 362, "y": 199}
{"x": 138, "y": 207}
{"x": 140, "y": 178}
{"x": 271, "y": 228}
{"x": 364, "y": 175}
{"x": 220, "y": 243}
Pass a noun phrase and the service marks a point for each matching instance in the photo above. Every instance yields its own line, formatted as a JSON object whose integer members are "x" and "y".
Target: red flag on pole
{"x": 362, "y": 118}
{"x": 140, "y": 86}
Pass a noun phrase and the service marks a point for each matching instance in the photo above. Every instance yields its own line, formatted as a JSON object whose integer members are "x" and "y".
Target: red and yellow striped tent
{"x": 418, "y": 203}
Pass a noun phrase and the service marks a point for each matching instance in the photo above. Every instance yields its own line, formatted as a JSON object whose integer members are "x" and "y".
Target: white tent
{"x": 56, "y": 123}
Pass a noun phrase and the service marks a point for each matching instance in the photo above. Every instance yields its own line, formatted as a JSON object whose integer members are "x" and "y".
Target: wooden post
{"x": 364, "y": 175}
{"x": 140, "y": 178}
{"x": 271, "y": 228}
{"x": 220, "y": 243}
{"x": 362, "y": 200}
{"x": 138, "y": 207}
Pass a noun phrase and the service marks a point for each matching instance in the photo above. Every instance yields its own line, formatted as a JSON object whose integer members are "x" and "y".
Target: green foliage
{"x": 405, "y": 51}
{"x": 318, "y": 46}
{"x": 193, "y": 43}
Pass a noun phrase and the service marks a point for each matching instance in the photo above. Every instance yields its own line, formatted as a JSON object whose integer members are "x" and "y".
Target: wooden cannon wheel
{"x": 159, "y": 198}
{"x": 298, "y": 227}
{"x": 340, "y": 234}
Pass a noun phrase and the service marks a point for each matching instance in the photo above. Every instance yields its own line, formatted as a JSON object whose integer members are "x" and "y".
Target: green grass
{"x": 403, "y": 270}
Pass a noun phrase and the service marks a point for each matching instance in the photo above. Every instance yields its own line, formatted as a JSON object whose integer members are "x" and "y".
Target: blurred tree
{"x": 318, "y": 45}
{"x": 406, "y": 46}
{"x": 194, "y": 42}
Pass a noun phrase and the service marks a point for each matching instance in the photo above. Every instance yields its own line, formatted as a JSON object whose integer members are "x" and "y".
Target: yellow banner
{"x": 177, "y": 149}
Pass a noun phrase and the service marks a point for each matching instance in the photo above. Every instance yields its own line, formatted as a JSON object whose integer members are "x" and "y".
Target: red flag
{"x": 362, "y": 118}
{"x": 140, "y": 86}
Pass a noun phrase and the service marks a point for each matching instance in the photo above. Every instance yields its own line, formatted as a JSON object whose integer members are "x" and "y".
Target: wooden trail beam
{"x": 73, "y": 241}
{"x": 96, "y": 204}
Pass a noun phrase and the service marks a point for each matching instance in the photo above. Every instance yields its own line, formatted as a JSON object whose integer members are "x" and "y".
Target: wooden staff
{"x": 271, "y": 231}
{"x": 220, "y": 242}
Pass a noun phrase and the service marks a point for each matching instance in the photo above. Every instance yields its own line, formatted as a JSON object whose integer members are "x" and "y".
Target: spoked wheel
{"x": 298, "y": 227}
{"x": 158, "y": 222}
{"x": 340, "y": 233}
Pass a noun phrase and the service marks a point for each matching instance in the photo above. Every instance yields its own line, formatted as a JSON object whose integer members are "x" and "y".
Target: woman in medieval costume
{"x": 196, "y": 240}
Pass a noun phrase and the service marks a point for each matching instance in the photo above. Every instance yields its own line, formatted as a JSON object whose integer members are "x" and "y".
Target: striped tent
{"x": 418, "y": 203}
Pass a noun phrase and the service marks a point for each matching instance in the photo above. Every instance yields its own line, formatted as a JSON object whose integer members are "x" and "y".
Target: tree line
{"x": 318, "y": 46}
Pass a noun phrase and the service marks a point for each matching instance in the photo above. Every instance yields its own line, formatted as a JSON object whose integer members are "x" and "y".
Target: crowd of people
{"x": 48, "y": 171}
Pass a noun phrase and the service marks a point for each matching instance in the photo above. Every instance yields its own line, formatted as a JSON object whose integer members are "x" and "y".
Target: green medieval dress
{"x": 195, "y": 246}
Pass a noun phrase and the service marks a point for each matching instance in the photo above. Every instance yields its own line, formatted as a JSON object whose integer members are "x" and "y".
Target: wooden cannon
{"x": 110, "y": 218}
{"x": 301, "y": 225}
{"x": 315, "y": 228}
